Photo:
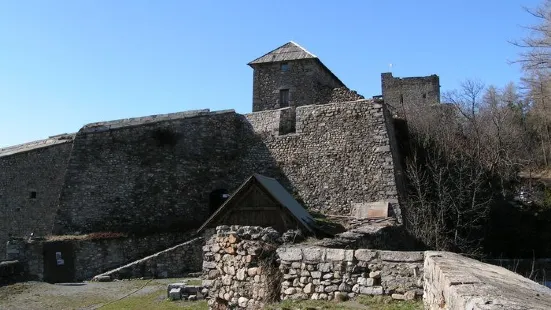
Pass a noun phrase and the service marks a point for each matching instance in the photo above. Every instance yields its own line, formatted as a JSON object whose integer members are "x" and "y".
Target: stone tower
{"x": 401, "y": 93}
{"x": 290, "y": 76}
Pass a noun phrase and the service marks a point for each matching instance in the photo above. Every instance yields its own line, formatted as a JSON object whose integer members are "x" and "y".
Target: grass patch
{"x": 154, "y": 301}
{"x": 362, "y": 302}
{"x": 194, "y": 282}
{"x": 387, "y": 303}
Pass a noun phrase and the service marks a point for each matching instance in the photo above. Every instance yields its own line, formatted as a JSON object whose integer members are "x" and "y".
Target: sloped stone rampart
{"x": 173, "y": 262}
{"x": 455, "y": 282}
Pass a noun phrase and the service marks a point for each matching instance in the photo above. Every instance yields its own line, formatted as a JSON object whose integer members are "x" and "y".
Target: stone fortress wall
{"x": 31, "y": 176}
{"x": 155, "y": 174}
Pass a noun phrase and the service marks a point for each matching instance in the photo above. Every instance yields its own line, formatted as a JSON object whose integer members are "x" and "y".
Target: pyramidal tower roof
{"x": 286, "y": 52}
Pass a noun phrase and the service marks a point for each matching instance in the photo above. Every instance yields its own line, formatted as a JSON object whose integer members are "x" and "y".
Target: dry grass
{"x": 92, "y": 236}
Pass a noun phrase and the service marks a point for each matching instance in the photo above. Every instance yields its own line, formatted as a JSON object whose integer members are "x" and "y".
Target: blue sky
{"x": 67, "y": 63}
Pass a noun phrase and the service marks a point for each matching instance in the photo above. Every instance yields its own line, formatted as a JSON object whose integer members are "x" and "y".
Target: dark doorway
{"x": 217, "y": 198}
{"x": 58, "y": 262}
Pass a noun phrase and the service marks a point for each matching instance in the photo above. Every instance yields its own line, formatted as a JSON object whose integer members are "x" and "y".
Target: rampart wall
{"x": 340, "y": 154}
{"x": 31, "y": 176}
{"x": 153, "y": 174}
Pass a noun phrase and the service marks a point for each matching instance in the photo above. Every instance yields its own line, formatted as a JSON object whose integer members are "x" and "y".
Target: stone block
{"x": 101, "y": 278}
{"x": 371, "y": 290}
{"x": 313, "y": 254}
{"x": 339, "y": 255}
{"x": 365, "y": 255}
{"x": 410, "y": 295}
{"x": 175, "y": 293}
{"x": 401, "y": 256}
{"x": 242, "y": 302}
{"x": 364, "y": 210}
{"x": 289, "y": 254}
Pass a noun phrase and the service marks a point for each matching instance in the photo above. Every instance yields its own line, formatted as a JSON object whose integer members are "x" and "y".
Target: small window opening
{"x": 33, "y": 195}
{"x": 283, "y": 98}
{"x": 284, "y": 66}
{"x": 217, "y": 198}
{"x": 424, "y": 96}
{"x": 401, "y": 98}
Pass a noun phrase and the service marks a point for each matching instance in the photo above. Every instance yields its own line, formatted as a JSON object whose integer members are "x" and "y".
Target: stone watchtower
{"x": 290, "y": 76}
{"x": 401, "y": 93}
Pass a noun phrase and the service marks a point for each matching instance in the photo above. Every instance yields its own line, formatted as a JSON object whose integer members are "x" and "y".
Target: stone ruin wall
{"x": 30, "y": 168}
{"x": 247, "y": 267}
{"x": 323, "y": 274}
{"x": 239, "y": 267}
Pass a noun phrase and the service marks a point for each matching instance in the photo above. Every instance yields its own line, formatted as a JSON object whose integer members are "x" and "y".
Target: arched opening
{"x": 217, "y": 198}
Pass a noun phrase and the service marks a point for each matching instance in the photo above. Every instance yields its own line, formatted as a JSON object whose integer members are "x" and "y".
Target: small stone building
{"x": 262, "y": 201}
{"x": 290, "y": 76}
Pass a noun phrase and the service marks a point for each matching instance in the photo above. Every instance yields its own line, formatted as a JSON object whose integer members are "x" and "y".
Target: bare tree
{"x": 536, "y": 54}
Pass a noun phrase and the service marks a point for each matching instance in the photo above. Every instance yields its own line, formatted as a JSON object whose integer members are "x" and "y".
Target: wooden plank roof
{"x": 278, "y": 192}
{"x": 286, "y": 52}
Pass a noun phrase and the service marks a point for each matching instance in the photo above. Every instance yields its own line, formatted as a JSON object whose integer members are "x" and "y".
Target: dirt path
{"x": 88, "y": 295}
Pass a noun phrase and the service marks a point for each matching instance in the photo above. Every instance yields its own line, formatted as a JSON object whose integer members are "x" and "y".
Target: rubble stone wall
{"x": 238, "y": 267}
{"x": 320, "y": 273}
{"x": 340, "y": 154}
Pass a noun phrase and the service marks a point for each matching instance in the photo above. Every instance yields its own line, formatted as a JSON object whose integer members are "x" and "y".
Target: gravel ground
{"x": 88, "y": 295}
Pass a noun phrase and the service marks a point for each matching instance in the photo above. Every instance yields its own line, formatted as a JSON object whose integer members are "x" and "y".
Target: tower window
{"x": 284, "y": 66}
{"x": 32, "y": 195}
{"x": 401, "y": 98}
{"x": 424, "y": 96}
{"x": 283, "y": 98}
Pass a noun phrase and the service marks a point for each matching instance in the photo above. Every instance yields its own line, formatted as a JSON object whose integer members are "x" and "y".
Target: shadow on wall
{"x": 158, "y": 177}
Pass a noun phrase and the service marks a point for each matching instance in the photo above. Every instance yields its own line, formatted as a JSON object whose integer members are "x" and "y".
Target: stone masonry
{"x": 176, "y": 261}
{"x": 238, "y": 267}
{"x": 31, "y": 177}
{"x": 320, "y": 273}
{"x": 246, "y": 267}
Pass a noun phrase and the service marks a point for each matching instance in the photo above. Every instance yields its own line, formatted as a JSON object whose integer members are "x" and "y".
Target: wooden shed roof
{"x": 278, "y": 193}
